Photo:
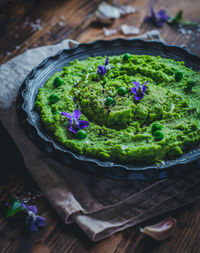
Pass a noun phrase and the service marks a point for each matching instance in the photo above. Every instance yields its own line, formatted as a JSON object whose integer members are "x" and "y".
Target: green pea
{"x": 126, "y": 57}
{"x": 156, "y": 126}
{"x": 178, "y": 75}
{"x": 81, "y": 134}
{"x": 122, "y": 91}
{"x": 190, "y": 84}
{"x": 53, "y": 98}
{"x": 158, "y": 135}
{"x": 109, "y": 101}
{"x": 58, "y": 81}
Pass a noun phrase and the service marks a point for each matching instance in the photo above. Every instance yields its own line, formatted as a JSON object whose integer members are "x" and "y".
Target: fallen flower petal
{"x": 157, "y": 18}
{"x": 128, "y": 29}
{"x": 126, "y": 9}
{"x": 32, "y": 219}
{"x": 35, "y": 221}
{"x": 106, "y": 13}
{"x": 161, "y": 230}
{"x": 109, "y": 32}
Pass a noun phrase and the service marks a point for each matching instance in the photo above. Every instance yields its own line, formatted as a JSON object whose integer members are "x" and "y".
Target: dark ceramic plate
{"x": 29, "y": 118}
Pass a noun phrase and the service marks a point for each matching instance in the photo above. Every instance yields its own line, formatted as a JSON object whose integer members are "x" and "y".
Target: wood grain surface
{"x": 17, "y": 35}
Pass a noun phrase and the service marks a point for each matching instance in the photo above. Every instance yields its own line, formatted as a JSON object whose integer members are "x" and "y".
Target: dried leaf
{"x": 161, "y": 230}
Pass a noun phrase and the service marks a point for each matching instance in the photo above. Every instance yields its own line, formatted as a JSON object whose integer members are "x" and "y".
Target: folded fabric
{"x": 100, "y": 206}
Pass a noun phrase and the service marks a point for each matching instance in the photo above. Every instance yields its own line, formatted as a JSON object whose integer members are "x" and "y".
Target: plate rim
{"x": 24, "y": 122}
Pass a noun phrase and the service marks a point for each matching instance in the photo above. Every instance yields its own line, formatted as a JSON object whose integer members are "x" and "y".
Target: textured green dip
{"x": 122, "y": 130}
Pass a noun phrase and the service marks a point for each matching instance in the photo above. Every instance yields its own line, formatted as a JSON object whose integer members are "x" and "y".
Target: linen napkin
{"x": 100, "y": 206}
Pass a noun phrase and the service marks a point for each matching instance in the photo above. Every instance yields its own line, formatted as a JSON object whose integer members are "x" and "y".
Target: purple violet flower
{"x": 102, "y": 69}
{"x": 33, "y": 220}
{"x": 74, "y": 123}
{"x": 139, "y": 90}
{"x": 158, "y": 18}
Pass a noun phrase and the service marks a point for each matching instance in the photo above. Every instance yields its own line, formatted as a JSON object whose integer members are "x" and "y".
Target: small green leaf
{"x": 179, "y": 15}
{"x": 178, "y": 19}
{"x": 187, "y": 22}
{"x": 15, "y": 208}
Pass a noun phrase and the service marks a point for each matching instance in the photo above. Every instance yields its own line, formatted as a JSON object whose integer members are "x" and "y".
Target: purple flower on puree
{"x": 32, "y": 219}
{"x": 158, "y": 18}
{"x": 74, "y": 123}
{"x": 102, "y": 69}
{"x": 139, "y": 90}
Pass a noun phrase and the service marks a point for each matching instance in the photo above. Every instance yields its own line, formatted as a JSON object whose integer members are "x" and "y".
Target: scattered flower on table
{"x": 32, "y": 219}
{"x": 157, "y": 18}
{"x": 29, "y": 213}
{"x": 109, "y": 32}
{"x": 139, "y": 90}
{"x": 106, "y": 13}
{"x": 161, "y": 230}
{"x": 74, "y": 123}
{"x": 160, "y": 17}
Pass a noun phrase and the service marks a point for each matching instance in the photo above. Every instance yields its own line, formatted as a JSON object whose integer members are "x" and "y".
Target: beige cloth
{"x": 100, "y": 206}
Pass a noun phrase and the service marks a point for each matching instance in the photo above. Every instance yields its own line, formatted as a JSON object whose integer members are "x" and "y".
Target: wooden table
{"x": 15, "y": 37}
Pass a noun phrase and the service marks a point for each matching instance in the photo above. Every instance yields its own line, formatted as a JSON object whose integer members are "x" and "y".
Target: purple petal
{"x": 76, "y": 113}
{"x": 83, "y": 124}
{"x": 163, "y": 15}
{"x": 159, "y": 23}
{"x": 158, "y": 18}
{"x": 106, "y": 62}
{"x": 33, "y": 227}
{"x": 24, "y": 206}
{"x": 68, "y": 115}
{"x": 153, "y": 14}
{"x": 40, "y": 221}
{"x": 30, "y": 208}
{"x": 147, "y": 19}
{"x": 73, "y": 129}
{"x": 137, "y": 84}
{"x": 144, "y": 86}
{"x": 145, "y": 83}
{"x": 134, "y": 90}
{"x": 138, "y": 97}
{"x": 101, "y": 70}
